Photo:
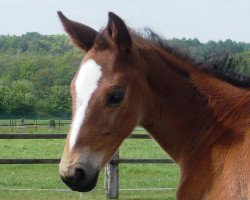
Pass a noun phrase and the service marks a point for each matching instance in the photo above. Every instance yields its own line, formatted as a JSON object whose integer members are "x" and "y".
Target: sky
{"x": 202, "y": 19}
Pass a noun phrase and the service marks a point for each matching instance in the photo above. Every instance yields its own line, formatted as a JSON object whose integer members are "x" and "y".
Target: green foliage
{"x": 18, "y": 99}
{"x": 34, "y": 43}
{"x": 244, "y": 59}
{"x": 36, "y": 70}
{"x": 35, "y": 73}
{"x": 202, "y": 51}
{"x": 58, "y": 101}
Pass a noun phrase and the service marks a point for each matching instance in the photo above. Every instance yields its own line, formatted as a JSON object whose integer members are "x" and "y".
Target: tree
{"x": 3, "y": 92}
{"x": 19, "y": 99}
{"x": 36, "y": 70}
{"x": 58, "y": 102}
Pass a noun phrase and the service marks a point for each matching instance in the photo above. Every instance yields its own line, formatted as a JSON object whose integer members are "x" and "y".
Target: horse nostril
{"x": 79, "y": 180}
{"x": 80, "y": 177}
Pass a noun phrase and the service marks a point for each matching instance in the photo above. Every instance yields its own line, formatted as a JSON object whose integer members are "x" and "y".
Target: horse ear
{"x": 118, "y": 32}
{"x": 81, "y": 35}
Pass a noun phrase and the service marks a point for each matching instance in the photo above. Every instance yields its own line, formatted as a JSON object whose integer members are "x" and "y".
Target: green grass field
{"x": 41, "y": 181}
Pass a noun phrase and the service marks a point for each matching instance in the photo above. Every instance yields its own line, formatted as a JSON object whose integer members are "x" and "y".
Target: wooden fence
{"x": 33, "y": 123}
{"x": 111, "y": 170}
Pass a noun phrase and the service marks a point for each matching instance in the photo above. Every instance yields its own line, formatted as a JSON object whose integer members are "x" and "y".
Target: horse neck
{"x": 183, "y": 104}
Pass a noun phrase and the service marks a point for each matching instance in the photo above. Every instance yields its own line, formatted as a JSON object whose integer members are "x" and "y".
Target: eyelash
{"x": 115, "y": 98}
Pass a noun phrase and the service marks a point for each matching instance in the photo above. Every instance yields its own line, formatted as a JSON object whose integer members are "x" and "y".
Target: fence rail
{"x": 56, "y": 161}
{"x": 55, "y": 136}
{"x": 112, "y": 170}
{"x": 21, "y": 123}
{"x": 32, "y": 136}
{"x": 29, "y": 161}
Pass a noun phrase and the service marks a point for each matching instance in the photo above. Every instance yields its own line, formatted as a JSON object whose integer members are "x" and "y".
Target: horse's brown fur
{"x": 202, "y": 122}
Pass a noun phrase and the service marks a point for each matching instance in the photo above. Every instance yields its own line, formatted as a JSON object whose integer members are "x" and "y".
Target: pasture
{"x": 41, "y": 181}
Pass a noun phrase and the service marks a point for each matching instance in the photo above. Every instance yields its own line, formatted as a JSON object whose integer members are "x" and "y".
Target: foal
{"x": 201, "y": 121}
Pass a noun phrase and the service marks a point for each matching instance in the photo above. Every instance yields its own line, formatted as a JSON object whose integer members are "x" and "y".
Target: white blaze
{"x": 86, "y": 83}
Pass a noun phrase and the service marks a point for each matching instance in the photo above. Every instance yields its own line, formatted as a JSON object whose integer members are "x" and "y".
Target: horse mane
{"x": 216, "y": 66}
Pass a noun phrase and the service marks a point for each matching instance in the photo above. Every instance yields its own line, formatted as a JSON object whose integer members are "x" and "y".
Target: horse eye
{"x": 115, "y": 98}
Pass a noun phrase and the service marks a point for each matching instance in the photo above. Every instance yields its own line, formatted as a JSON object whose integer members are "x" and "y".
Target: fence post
{"x": 12, "y": 124}
{"x": 59, "y": 123}
{"x": 112, "y": 178}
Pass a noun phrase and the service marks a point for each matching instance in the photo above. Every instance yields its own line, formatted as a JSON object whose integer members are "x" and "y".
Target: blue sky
{"x": 203, "y": 19}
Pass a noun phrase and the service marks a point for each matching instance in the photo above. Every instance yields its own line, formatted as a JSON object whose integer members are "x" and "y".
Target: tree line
{"x": 36, "y": 70}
